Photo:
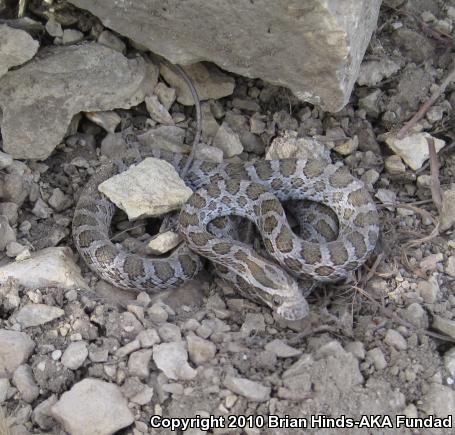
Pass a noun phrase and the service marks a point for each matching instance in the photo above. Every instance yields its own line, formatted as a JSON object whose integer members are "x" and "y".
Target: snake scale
{"x": 254, "y": 191}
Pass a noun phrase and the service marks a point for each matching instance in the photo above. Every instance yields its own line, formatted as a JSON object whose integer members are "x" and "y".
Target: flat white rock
{"x": 50, "y": 266}
{"x": 281, "y": 349}
{"x": 16, "y": 47}
{"x": 37, "y": 314}
{"x": 228, "y": 141}
{"x": 289, "y": 146}
{"x": 413, "y": 149}
{"x": 163, "y": 243}
{"x": 93, "y": 407}
{"x": 252, "y": 390}
{"x": 172, "y": 359}
{"x": 15, "y": 348}
{"x": 148, "y": 189}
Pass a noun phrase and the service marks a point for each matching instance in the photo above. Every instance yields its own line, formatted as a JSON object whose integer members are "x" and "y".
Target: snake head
{"x": 285, "y": 296}
{"x": 293, "y": 310}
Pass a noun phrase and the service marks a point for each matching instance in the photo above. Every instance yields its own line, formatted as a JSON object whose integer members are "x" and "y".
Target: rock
{"x": 40, "y": 99}
{"x": 348, "y": 147}
{"x": 374, "y": 71}
{"x": 157, "y": 111}
{"x": 370, "y": 103}
{"x": 110, "y": 40}
{"x": 415, "y": 45}
{"x": 4, "y": 387}
{"x": 449, "y": 361}
{"x": 16, "y": 48}
{"x": 148, "y": 189}
{"x": 113, "y": 146}
{"x": 10, "y": 210}
{"x": 357, "y": 349}
{"x": 252, "y": 143}
{"x": 75, "y": 355}
{"x": 138, "y": 363}
{"x": 444, "y": 325}
{"x": 281, "y": 349}
{"x": 58, "y": 200}
{"x": 394, "y": 165}
{"x": 430, "y": 262}
{"x": 15, "y": 348}
{"x": 228, "y": 141}
{"x": 37, "y": 314}
{"x": 108, "y": 119}
{"x": 169, "y": 332}
{"x": 289, "y": 146}
{"x": 41, "y": 209}
{"x": 128, "y": 348}
{"x": 331, "y": 348}
{"x": 209, "y": 124}
{"x": 270, "y": 49}
{"x": 413, "y": 149}
{"x": 209, "y": 153}
{"x": 71, "y": 36}
{"x": 144, "y": 396}
{"x": 246, "y": 104}
{"x": 370, "y": 177}
{"x": 210, "y": 82}
{"x": 5, "y": 160}
{"x": 377, "y": 357}
{"x": 50, "y": 266}
{"x": 92, "y": 407}
{"x": 25, "y": 383}
{"x": 200, "y": 350}
{"x": 7, "y": 234}
{"x": 165, "y": 94}
{"x": 253, "y": 391}
{"x": 53, "y": 27}
{"x": 395, "y": 339}
{"x": 435, "y": 114}
{"x": 163, "y": 242}
{"x": 450, "y": 266}
{"x": 386, "y": 196}
{"x": 157, "y": 313}
{"x": 429, "y": 290}
{"x": 42, "y": 413}
{"x": 172, "y": 359}
{"x": 439, "y": 401}
{"x": 15, "y": 188}
{"x": 253, "y": 324}
{"x": 415, "y": 314}
{"x": 447, "y": 213}
{"x": 257, "y": 124}
{"x": 166, "y": 137}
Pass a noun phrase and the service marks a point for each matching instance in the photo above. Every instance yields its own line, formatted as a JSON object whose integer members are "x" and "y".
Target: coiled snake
{"x": 254, "y": 191}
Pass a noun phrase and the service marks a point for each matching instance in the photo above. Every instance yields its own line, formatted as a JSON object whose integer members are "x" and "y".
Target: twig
{"x": 177, "y": 69}
{"x": 197, "y": 104}
{"x": 425, "y": 106}
{"x": 435, "y": 185}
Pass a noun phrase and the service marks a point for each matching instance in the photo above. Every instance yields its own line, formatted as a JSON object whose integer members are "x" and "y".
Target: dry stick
{"x": 435, "y": 185}
{"x": 197, "y": 104}
{"x": 177, "y": 69}
{"x": 424, "y": 109}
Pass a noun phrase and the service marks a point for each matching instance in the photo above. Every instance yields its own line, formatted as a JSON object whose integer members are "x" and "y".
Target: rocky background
{"x": 79, "y": 356}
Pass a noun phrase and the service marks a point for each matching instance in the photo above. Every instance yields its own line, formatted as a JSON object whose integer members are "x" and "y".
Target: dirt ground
{"x": 381, "y": 343}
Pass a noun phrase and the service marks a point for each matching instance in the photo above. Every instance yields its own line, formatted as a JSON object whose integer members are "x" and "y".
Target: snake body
{"x": 254, "y": 191}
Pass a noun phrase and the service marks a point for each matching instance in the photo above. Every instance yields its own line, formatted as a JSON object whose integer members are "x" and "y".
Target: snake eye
{"x": 276, "y": 300}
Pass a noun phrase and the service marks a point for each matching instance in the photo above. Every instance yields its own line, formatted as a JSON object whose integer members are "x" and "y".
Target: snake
{"x": 252, "y": 190}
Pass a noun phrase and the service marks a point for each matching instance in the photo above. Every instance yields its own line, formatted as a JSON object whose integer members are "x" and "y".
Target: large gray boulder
{"x": 39, "y": 99}
{"x": 313, "y": 47}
